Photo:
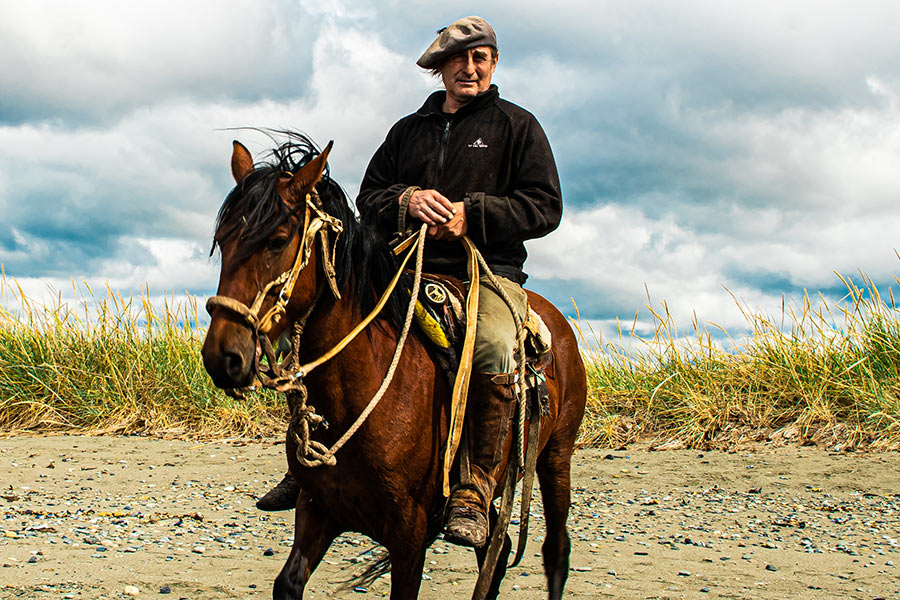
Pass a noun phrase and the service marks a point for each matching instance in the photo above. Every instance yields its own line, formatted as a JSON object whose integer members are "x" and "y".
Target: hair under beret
{"x": 468, "y": 32}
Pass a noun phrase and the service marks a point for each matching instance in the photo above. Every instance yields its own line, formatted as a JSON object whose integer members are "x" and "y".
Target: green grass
{"x": 813, "y": 374}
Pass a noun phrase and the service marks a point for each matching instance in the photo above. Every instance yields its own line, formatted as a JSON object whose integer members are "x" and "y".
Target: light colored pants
{"x": 495, "y": 337}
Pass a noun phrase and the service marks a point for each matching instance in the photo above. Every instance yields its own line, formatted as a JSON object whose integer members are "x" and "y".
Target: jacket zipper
{"x": 440, "y": 166}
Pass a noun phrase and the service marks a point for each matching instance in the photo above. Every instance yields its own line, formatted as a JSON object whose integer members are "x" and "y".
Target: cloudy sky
{"x": 703, "y": 146}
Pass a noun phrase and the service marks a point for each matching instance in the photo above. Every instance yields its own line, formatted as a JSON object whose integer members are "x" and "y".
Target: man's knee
{"x": 495, "y": 339}
{"x": 494, "y": 354}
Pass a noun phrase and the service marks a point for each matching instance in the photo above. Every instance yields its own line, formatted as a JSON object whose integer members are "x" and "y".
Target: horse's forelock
{"x": 253, "y": 210}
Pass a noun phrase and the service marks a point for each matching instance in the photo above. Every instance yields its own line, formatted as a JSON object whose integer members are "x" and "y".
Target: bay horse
{"x": 386, "y": 482}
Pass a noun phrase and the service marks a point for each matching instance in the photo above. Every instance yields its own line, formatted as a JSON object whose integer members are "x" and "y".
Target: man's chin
{"x": 467, "y": 92}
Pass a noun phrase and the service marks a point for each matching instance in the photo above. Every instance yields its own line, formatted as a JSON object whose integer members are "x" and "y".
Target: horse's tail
{"x": 382, "y": 566}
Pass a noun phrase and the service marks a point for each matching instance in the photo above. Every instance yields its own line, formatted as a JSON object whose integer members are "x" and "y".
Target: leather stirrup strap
{"x": 531, "y": 452}
{"x": 465, "y": 460}
{"x": 461, "y": 385}
{"x": 497, "y": 532}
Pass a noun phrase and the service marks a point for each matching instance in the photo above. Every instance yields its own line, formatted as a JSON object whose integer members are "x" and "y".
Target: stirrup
{"x": 281, "y": 497}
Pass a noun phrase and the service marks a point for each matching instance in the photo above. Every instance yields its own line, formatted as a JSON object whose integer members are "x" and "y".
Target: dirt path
{"x": 124, "y": 517}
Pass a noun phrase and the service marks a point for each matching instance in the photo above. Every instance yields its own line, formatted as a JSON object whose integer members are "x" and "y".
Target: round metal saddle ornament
{"x": 436, "y": 293}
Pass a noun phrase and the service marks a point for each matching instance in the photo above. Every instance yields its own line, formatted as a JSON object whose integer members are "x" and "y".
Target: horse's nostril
{"x": 234, "y": 365}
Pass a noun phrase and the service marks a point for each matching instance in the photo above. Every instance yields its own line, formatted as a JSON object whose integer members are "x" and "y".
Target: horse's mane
{"x": 254, "y": 209}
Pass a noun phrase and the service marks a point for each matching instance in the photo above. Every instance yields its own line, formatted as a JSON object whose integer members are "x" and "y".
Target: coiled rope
{"x": 304, "y": 420}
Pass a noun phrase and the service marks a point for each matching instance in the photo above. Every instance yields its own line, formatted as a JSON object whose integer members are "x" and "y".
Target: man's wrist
{"x": 404, "y": 206}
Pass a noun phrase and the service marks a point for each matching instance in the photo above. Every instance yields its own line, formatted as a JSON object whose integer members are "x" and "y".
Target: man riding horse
{"x": 466, "y": 163}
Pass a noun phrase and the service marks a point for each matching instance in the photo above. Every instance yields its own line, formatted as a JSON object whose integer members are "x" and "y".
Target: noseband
{"x": 316, "y": 222}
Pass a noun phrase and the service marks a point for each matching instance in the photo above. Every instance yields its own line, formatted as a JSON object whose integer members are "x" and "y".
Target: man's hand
{"x": 431, "y": 207}
{"x": 453, "y": 229}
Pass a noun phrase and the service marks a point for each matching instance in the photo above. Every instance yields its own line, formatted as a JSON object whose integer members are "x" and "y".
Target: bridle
{"x": 316, "y": 223}
{"x": 288, "y": 376}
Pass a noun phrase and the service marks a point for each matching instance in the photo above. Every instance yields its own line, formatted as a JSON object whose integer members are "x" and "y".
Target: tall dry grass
{"x": 815, "y": 373}
{"x": 109, "y": 363}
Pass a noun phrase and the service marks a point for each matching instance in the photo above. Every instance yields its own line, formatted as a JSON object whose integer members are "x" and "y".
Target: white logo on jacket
{"x": 478, "y": 144}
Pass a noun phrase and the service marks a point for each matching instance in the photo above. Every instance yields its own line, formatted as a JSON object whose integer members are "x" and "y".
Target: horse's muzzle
{"x": 229, "y": 354}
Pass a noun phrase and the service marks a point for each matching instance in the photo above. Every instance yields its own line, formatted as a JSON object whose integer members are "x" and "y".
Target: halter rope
{"x": 289, "y": 378}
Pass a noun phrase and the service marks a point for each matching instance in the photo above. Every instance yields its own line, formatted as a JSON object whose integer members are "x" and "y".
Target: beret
{"x": 468, "y": 32}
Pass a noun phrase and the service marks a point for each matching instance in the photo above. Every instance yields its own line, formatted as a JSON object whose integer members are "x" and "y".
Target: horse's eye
{"x": 277, "y": 244}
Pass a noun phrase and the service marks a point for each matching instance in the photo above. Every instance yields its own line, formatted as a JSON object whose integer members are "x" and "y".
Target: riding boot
{"x": 489, "y": 411}
{"x": 281, "y": 497}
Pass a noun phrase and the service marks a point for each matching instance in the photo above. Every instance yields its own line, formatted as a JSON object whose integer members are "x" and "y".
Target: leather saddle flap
{"x": 440, "y": 315}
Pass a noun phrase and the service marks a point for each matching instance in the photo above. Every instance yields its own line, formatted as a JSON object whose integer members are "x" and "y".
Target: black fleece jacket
{"x": 493, "y": 156}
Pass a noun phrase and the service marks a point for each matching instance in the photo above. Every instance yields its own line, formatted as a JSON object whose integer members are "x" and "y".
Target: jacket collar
{"x": 435, "y": 101}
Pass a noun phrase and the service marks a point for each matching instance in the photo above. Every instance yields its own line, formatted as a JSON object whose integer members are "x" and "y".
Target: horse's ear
{"x": 304, "y": 179}
{"x": 241, "y": 161}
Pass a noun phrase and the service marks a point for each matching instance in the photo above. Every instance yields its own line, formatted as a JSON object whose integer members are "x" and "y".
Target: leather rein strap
{"x": 319, "y": 225}
{"x": 464, "y": 372}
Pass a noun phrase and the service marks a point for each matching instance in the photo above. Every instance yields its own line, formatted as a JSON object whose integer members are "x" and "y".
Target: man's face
{"x": 468, "y": 73}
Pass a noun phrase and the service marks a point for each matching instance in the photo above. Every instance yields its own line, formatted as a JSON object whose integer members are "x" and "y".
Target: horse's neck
{"x": 328, "y": 324}
{"x": 357, "y": 365}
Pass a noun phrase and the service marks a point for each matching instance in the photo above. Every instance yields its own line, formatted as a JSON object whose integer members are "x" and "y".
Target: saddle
{"x": 440, "y": 316}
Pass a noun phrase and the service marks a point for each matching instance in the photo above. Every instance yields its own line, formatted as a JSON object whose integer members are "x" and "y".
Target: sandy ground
{"x": 134, "y": 517}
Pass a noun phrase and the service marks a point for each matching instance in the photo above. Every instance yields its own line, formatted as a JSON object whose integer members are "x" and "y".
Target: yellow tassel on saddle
{"x": 429, "y": 325}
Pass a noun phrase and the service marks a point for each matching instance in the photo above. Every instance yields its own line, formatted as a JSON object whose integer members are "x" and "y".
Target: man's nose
{"x": 470, "y": 64}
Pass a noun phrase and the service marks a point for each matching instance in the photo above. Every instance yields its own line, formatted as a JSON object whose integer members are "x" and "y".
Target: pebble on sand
{"x": 707, "y": 523}
{"x": 131, "y": 590}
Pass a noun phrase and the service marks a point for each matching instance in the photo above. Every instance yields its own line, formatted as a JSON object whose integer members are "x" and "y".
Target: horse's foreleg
{"x": 406, "y": 573}
{"x": 502, "y": 559}
{"x": 553, "y": 470}
{"x": 313, "y": 533}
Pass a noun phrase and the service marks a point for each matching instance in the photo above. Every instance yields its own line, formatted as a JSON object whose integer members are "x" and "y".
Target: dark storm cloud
{"x": 702, "y": 146}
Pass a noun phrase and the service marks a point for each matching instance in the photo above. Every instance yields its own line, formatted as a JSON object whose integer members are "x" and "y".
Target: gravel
{"x": 93, "y": 517}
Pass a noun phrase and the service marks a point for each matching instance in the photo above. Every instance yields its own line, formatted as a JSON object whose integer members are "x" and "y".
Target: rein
{"x": 314, "y": 453}
{"x": 287, "y": 376}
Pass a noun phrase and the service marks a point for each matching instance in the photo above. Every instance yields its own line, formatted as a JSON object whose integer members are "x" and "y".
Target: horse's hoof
{"x": 281, "y": 497}
{"x": 466, "y": 526}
